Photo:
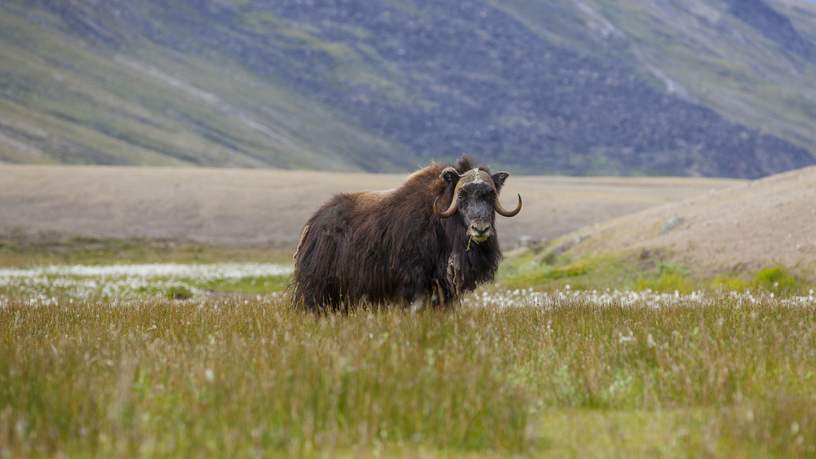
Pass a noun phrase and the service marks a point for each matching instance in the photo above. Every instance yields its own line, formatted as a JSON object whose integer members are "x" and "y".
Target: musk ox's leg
{"x": 438, "y": 298}
{"x": 427, "y": 300}
{"x": 416, "y": 301}
{"x": 413, "y": 289}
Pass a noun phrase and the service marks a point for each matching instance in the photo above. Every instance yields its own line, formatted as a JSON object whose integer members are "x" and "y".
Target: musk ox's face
{"x": 476, "y": 200}
{"x": 476, "y": 205}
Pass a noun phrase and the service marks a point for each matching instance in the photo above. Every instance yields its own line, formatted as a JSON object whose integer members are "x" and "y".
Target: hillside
{"x": 736, "y": 230}
{"x": 64, "y": 99}
{"x": 701, "y": 87}
{"x": 268, "y": 207}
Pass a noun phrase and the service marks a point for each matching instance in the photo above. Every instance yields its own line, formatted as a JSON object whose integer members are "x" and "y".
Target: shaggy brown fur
{"x": 391, "y": 247}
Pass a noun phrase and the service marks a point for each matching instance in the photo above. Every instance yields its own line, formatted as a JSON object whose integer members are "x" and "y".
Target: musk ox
{"x": 422, "y": 244}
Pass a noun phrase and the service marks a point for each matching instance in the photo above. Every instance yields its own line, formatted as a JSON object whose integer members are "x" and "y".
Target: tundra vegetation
{"x": 212, "y": 360}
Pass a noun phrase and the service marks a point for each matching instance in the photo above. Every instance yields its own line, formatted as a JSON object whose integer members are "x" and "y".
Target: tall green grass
{"x": 242, "y": 378}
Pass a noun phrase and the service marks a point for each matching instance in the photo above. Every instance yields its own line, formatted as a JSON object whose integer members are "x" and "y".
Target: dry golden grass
{"x": 251, "y": 378}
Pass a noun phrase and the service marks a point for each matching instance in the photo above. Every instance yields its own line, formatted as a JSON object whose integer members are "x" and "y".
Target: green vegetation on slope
{"x": 594, "y": 87}
{"x": 66, "y": 102}
{"x": 541, "y": 270}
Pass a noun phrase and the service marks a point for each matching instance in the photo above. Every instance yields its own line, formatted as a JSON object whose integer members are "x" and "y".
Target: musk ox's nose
{"x": 480, "y": 229}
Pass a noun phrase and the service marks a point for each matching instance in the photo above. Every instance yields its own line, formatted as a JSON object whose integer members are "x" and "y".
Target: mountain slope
{"x": 742, "y": 58}
{"x": 739, "y": 229}
{"x": 578, "y": 87}
{"x": 65, "y": 100}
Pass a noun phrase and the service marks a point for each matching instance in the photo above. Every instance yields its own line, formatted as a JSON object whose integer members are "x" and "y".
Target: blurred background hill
{"x": 584, "y": 87}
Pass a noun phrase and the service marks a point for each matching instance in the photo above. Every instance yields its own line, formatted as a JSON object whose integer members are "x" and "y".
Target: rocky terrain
{"x": 700, "y": 87}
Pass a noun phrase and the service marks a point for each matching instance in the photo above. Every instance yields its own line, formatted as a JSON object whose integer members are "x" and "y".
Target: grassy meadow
{"x": 200, "y": 359}
{"x": 244, "y": 378}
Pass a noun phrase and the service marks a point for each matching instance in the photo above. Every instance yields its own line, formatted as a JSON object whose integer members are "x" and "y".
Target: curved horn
{"x": 450, "y": 175}
{"x": 504, "y": 212}
{"x": 454, "y": 206}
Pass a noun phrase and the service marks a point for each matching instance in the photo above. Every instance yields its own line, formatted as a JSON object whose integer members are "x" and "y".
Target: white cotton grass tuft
{"x": 41, "y": 286}
{"x": 123, "y": 284}
{"x": 647, "y": 298}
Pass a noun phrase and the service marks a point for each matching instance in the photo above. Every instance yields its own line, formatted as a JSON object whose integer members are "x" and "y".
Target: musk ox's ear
{"x": 499, "y": 178}
{"x": 450, "y": 175}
